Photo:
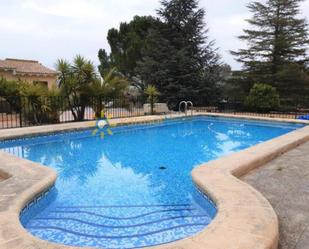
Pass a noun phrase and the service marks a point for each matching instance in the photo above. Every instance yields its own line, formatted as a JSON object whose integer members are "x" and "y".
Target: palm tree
{"x": 152, "y": 93}
{"x": 111, "y": 86}
{"x": 74, "y": 80}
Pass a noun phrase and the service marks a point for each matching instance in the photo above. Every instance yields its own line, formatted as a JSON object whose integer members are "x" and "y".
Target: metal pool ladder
{"x": 187, "y": 105}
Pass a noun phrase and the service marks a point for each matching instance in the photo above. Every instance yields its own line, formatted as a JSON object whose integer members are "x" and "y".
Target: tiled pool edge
{"x": 244, "y": 215}
{"x": 244, "y": 220}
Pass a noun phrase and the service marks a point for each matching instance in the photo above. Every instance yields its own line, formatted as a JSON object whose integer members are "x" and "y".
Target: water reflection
{"x": 134, "y": 160}
{"x": 143, "y": 174}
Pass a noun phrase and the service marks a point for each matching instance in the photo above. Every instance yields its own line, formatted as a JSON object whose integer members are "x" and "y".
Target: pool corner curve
{"x": 245, "y": 219}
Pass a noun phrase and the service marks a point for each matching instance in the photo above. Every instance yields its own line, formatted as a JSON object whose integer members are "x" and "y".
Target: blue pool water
{"x": 132, "y": 189}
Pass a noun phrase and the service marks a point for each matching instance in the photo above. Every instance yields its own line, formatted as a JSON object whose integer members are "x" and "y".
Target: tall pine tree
{"x": 179, "y": 58}
{"x": 277, "y": 42}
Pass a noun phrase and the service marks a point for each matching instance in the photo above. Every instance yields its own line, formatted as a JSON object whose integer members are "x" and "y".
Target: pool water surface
{"x": 132, "y": 189}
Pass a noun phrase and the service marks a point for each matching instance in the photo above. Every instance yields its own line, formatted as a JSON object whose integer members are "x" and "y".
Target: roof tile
{"x": 25, "y": 66}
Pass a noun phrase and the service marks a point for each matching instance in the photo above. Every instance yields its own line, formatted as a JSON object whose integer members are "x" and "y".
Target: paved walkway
{"x": 285, "y": 183}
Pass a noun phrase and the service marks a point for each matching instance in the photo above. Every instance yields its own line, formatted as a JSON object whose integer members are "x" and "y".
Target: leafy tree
{"x": 294, "y": 84}
{"x": 263, "y": 98}
{"x": 152, "y": 93}
{"x": 105, "y": 62}
{"x": 74, "y": 81}
{"x": 155, "y": 67}
{"x": 227, "y": 91}
{"x": 277, "y": 39}
{"x": 126, "y": 44}
{"x": 178, "y": 58}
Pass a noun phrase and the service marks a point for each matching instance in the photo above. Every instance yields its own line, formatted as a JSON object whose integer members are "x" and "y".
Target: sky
{"x": 46, "y": 30}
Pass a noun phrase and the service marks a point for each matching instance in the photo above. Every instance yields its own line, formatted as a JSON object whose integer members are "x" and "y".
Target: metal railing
{"x": 32, "y": 111}
{"x": 187, "y": 106}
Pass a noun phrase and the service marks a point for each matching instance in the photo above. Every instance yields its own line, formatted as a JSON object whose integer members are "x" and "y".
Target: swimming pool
{"x": 132, "y": 189}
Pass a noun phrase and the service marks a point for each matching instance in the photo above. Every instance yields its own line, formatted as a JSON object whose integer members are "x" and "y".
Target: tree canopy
{"x": 126, "y": 44}
{"x": 277, "y": 42}
{"x": 173, "y": 53}
{"x": 79, "y": 81}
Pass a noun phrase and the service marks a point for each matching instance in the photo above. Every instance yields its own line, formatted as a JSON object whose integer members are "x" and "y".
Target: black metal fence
{"x": 288, "y": 108}
{"x": 32, "y": 111}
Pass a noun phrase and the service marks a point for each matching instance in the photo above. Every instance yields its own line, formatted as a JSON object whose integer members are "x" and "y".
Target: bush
{"x": 262, "y": 98}
{"x": 37, "y": 104}
{"x": 9, "y": 90}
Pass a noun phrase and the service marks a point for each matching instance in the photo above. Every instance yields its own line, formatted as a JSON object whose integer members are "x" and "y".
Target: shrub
{"x": 9, "y": 90}
{"x": 262, "y": 98}
{"x": 39, "y": 105}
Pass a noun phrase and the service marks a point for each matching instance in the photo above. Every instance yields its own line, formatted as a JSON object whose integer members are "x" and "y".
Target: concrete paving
{"x": 285, "y": 183}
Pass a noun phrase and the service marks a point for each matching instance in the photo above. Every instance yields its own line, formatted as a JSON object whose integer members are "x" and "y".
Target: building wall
{"x": 50, "y": 80}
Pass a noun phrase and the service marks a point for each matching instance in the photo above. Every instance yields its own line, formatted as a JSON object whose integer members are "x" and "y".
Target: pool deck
{"x": 245, "y": 218}
{"x": 285, "y": 183}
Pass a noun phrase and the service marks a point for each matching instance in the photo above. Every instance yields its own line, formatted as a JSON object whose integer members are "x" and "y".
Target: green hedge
{"x": 262, "y": 98}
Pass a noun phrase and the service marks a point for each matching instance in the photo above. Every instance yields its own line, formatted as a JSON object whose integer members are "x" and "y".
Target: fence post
{"x": 20, "y": 112}
{"x": 296, "y": 111}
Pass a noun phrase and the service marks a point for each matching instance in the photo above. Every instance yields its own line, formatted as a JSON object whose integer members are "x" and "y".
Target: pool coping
{"x": 245, "y": 219}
